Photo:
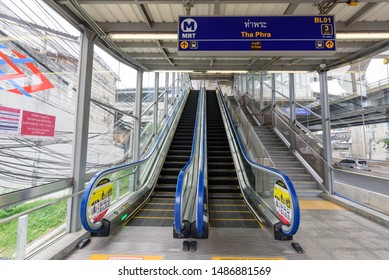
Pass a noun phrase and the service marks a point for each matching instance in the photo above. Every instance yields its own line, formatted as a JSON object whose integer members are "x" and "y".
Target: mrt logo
{"x": 14, "y": 79}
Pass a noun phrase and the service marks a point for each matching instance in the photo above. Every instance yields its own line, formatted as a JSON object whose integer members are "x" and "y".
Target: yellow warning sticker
{"x": 123, "y": 257}
{"x": 100, "y": 200}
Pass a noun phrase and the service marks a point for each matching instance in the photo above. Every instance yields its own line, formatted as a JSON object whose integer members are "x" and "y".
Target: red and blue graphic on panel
{"x": 14, "y": 79}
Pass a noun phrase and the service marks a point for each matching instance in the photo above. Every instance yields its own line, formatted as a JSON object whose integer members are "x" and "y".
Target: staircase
{"x": 283, "y": 159}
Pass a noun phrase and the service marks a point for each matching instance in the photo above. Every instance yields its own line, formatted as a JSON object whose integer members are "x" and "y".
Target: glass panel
{"x": 37, "y": 93}
{"x": 110, "y": 130}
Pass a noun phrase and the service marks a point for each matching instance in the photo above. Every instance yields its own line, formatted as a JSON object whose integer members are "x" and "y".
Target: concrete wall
{"x": 375, "y": 200}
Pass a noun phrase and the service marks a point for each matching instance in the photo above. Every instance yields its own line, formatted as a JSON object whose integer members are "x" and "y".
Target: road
{"x": 369, "y": 182}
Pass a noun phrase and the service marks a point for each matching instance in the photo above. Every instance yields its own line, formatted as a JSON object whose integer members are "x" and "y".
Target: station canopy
{"x": 144, "y": 34}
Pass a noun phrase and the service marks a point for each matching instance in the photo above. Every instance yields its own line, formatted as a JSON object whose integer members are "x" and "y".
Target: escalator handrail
{"x": 178, "y": 203}
{"x": 287, "y": 230}
{"x": 200, "y": 178}
{"x": 102, "y": 173}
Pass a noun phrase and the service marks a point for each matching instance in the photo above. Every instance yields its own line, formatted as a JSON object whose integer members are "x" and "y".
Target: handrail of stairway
{"x": 178, "y": 202}
{"x": 85, "y": 221}
{"x": 201, "y": 180}
{"x": 288, "y": 230}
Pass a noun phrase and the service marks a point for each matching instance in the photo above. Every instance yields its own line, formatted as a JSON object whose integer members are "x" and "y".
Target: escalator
{"x": 227, "y": 208}
{"x": 158, "y": 209}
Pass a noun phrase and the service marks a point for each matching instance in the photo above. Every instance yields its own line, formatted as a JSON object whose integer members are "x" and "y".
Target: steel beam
{"x": 80, "y": 141}
{"x": 326, "y": 126}
{"x": 138, "y": 115}
{"x": 155, "y": 112}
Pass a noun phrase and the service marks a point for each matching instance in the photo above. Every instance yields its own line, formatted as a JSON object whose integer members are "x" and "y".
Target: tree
{"x": 385, "y": 141}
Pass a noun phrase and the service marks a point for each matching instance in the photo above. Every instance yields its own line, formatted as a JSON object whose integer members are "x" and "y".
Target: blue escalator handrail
{"x": 200, "y": 180}
{"x": 287, "y": 230}
{"x": 180, "y": 180}
{"x": 99, "y": 175}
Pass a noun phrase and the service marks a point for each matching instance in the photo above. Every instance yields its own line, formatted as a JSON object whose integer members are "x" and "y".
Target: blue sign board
{"x": 268, "y": 34}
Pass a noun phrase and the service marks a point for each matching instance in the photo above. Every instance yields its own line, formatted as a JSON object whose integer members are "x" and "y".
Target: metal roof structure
{"x": 161, "y": 16}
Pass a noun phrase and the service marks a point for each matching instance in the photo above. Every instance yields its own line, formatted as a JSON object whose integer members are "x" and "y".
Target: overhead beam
{"x": 264, "y": 67}
{"x": 255, "y": 59}
{"x": 86, "y": 2}
{"x": 361, "y": 13}
{"x": 164, "y": 52}
{"x": 291, "y": 8}
{"x": 145, "y": 15}
{"x": 217, "y": 7}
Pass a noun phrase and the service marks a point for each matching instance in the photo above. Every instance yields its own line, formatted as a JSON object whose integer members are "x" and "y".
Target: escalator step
{"x": 166, "y": 187}
{"x": 162, "y": 194}
{"x": 170, "y": 171}
{"x": 219, "y": 172}
{"x": 167, "y": 179}
{"x": 228, "y": 223}
{"x": 223, "y": 181}
{"x": 219, "y": 195}
{"x": 233, "y": 188}
{"x": 232, "y": 214}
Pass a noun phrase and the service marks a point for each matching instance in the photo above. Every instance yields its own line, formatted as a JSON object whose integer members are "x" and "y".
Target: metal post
{"x": 241, "y": 85}
{"x": 252, "y": 86}
{"x": 80, "y": 141}
{"x": 179, "y": 84}
{"x": 21, "y": 241}
{"x": 165, "y": 99}
{"x": 137, "y": 113}
{"x": 261, "y": 101}
{"x": 174, "y": 87}
{"x": 156, "y": 91}
{"x": 292, "y": 108}
{"x": 273, "y": 98}
{"x": 326, "y": 126}
{"x": 247, "y": 76}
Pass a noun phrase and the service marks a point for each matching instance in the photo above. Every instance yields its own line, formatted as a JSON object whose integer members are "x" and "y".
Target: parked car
{"x": 354, "y": 163}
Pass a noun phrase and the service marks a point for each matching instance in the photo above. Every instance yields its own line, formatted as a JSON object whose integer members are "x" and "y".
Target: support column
{"x": 326, "y": 126}
{"x": 179, "y": 84}
{"x": 247, "y": 82}
{"x": 174, "y": 87}
{"x": 80, "y": 140}
{"x": 165, "y": 99}
{"x": 273, "y": 98}
{"x": 137, "y": 114}
{"x": 253, "y": 86}
{"x": 241, "y": 85}
{"x": 261, "y": 101}
{"x": 155, "y": 111}
{"x": 292, "y": 108}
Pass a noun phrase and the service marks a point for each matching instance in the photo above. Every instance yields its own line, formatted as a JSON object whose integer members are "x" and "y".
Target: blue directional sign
{"x": 300, "y": 35}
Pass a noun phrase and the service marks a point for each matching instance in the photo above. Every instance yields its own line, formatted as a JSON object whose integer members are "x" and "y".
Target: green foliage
{"x": 40, "y": 223}
{"x": 385, "y": 141}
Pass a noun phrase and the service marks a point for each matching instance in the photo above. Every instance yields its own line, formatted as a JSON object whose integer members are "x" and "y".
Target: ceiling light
{"x": 174, "y": 71}
{"x": 362, "y": 36}
{"x": 287, "y": 72}
{"x": 143, "y": 36}
{"x": 227, "y": 72}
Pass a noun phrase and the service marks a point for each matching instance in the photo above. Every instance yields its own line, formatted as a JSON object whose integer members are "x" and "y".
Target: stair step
{"x": 304, "y": 185}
